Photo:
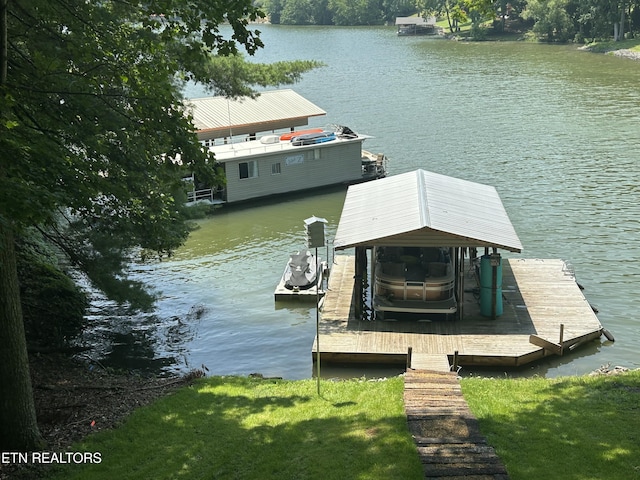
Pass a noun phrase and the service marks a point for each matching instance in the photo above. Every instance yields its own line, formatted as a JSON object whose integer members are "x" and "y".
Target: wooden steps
{"x": 445, "y": 431}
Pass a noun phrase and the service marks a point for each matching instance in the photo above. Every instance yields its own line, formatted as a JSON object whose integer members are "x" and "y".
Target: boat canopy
{"x": 422, "y": 208}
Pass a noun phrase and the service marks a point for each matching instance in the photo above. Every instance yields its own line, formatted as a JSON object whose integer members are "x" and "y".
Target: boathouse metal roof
{"x": 415, "y": 21}
{"x": 220, "y": 117}
{"x": 422, "y": 208}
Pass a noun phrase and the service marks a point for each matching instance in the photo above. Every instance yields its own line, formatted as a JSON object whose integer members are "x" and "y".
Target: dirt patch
{"x": 73, "y": 400}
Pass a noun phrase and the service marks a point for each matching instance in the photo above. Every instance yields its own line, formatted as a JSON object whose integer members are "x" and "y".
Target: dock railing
{"x": 196, "y": 195}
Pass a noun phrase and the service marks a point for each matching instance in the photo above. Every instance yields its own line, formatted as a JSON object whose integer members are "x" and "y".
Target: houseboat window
{"x": 248, "y": 169}
{"x": 316, "y": 153}
{"x": 275, "y": 168}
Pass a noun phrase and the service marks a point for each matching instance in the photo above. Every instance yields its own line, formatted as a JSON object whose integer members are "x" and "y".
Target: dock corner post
{"x": 454, "y": 367}
{"x": 409, "y": 355}
{"x": 360, "y": 272}
{"x": 561, "y": 339}
{"x": 494, "y": 292}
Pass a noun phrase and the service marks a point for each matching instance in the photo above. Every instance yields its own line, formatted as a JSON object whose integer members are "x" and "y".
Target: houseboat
{"x": 264, "y": 153}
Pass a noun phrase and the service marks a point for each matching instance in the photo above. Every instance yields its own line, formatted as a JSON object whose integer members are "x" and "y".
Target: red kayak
{"x": 290, "y": 135}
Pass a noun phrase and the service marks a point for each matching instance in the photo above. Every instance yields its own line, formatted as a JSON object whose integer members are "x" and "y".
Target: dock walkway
{"x": 545, "y": 313}
{"x": 445, "y": 431}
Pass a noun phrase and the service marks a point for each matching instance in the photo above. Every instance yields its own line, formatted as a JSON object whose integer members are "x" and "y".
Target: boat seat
{"x": 415, "y": 273}
{"x": 393, "y": 269}
{"x": 437, "y": 269}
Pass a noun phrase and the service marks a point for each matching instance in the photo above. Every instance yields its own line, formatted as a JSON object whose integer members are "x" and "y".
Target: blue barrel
{"x": 486, "y": 286}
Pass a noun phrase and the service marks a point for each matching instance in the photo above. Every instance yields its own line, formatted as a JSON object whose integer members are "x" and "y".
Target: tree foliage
{"x": 94, "y": 137}
{"x": 334, "y": 12}
{"x": 552, "y": 22}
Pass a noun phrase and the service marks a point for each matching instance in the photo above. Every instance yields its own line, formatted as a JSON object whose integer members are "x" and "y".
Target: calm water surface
{"x": 555, "y": 130}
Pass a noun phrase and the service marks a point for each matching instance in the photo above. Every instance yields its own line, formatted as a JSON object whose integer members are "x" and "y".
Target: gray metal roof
{"x": 219, "y": 117}
{"x": 422, "y": 208}
{"x": 415, "y": 21}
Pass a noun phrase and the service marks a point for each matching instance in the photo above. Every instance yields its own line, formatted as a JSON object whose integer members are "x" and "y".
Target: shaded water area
{"x": 554, "y": 129}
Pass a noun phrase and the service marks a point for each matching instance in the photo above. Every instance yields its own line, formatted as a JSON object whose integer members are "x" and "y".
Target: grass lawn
{"x": 603, "y": 47}
{"x": 245, "y": 428}
{"x": 575, "y": 428}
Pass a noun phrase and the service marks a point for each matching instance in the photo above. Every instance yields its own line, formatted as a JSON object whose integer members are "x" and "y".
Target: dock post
{"x": 454, "y": 367}
{"x": 409, "y": 355}
{"x": 561, "y": 338}
{"x": 318, "y": 331}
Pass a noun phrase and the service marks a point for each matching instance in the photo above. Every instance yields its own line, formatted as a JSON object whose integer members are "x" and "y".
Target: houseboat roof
{"x": 220, "y": 117}
{"x": 422, "y": 208}
{"x": 268, "y": 145}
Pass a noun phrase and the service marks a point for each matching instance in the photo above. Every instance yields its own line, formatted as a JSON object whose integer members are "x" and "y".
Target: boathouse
{"x": 417, "y": 212}
{"x": 251, "y": 139}
{"x": 542, "y": 309}
{"x": 417, "y": 26}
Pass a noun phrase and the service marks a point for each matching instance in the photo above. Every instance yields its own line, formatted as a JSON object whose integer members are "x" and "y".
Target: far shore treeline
{"x": 547, "y": 20}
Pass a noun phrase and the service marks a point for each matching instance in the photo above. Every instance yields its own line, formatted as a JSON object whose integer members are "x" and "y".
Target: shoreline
{"x": 625, "y": 53}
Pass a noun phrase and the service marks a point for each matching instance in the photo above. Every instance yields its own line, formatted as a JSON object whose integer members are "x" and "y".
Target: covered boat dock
{"x": 543, "y": 310}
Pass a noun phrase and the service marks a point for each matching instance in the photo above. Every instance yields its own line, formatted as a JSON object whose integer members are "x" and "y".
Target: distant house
{"x": 252, "y": 139}
{"x": 417, "y": 26}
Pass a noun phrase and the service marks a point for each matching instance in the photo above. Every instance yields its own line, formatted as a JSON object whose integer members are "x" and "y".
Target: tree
{"x": 297, "y": 12}
{"x": 94, "y": 136}
{"x": 602, "y": 18}
{"x": 453, "y": 10}
{"x": 397, "y": 8}
{"x": 552, "y": 22}
{"x": 479, "y": 11}
{"x": 273, "y": 9}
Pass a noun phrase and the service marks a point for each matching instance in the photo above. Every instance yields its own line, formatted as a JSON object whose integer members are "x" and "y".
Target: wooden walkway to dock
{"x": 545, "y": 313}
{"x": 445, "y": 431}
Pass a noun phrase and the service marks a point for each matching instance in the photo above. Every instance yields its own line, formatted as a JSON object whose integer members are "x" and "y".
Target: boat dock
{"x": 545, "y": 313}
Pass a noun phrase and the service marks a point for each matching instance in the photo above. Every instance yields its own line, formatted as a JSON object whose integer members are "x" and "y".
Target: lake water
{"x": 554, "y": 129}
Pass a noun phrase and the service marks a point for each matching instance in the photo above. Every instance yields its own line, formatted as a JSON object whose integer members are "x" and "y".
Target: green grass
{"x": 608, "y": 46}
{"x": 578, "y": 428}
{"x": 574, "y": 428}
{"x": 244, "y": 428}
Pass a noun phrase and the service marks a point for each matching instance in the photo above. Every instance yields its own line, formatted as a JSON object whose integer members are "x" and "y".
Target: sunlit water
{"x": 555, "y": 130}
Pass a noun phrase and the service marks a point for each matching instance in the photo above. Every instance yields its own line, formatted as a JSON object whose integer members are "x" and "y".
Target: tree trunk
{"x": 18, "y": 425}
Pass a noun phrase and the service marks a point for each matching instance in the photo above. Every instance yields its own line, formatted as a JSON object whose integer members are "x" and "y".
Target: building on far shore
{"x": 417, "y": 26}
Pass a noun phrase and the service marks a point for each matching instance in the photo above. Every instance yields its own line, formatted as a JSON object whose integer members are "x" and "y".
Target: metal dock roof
{"x": 422, "y": 208}
{"x": 219, "y": 117}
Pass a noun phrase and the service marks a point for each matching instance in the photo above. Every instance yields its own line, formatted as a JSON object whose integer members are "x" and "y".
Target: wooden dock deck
{"x": 544, "y": 313}
{"x": 445, "y": 431}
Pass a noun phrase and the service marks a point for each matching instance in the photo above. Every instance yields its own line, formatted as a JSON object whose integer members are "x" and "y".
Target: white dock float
{"x": 282, "y": 293}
